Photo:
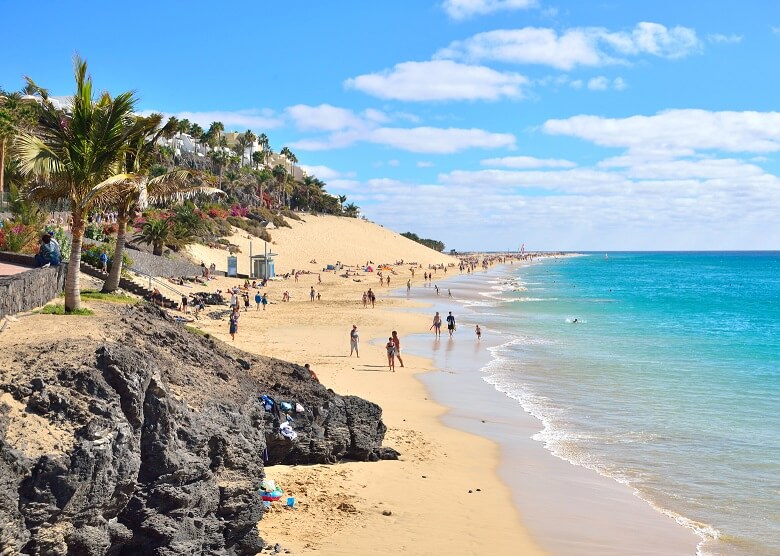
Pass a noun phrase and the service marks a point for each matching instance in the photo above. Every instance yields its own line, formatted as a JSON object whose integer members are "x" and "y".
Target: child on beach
{"x": 478, "y": 331}
{"x": 390, "y": 347}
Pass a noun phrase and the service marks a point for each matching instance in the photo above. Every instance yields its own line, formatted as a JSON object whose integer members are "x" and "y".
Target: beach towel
{"x": 287, "y": 431}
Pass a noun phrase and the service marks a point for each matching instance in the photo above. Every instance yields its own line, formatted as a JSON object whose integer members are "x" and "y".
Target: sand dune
{"x": 327, "y": 240}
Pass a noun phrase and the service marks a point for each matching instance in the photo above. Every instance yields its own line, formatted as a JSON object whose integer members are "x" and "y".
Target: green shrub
{"x": 60, "y": 310}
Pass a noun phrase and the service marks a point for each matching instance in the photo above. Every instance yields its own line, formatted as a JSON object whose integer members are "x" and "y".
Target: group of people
{"x": 369, "y": 297}
{"x": 393, "y": 347}
{"x": 436, "y": 326}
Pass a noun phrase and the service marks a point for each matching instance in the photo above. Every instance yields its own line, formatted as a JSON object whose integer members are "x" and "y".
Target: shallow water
{"x": 669, "y": 381}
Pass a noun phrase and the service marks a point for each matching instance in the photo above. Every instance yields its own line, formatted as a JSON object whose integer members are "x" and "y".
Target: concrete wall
{"x": 30, "y": 289}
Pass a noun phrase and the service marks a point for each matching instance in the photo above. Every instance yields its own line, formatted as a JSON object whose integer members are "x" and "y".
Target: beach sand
{"x": 449, "y": 493}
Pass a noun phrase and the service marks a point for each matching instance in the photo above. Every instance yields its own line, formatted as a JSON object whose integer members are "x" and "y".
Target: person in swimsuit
{"x": 353, "y": 341}
{"x": 397, "y": 344}
{"x": 390, "y": 347}
{"x": 478, "y": 330}
{"x": 436, "y": 326}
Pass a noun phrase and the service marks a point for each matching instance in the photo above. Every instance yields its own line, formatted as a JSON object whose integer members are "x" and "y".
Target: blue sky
{"x": 483, "y": 123}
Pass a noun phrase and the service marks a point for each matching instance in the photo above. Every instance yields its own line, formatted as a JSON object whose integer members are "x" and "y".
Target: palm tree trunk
{"x": 112, "y": 282}
{"x": 72, "y": 282}
{"x": 2, "y": 172}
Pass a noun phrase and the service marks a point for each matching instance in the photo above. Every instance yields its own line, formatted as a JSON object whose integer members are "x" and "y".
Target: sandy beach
{"x": 450, "y": 491}
{"x": 444, "y": 496}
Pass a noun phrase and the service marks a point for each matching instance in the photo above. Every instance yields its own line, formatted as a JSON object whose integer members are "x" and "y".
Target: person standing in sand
{"x": 234, "y": 322}
{"x": 312, "y": 293}
{"x": 397, "y": 344}
{"x": 371, "y": 297}
{"x": 353, "y": 341}
{"x": 258, "y": 301}
{"x": 390, "y": 347}
{"x": 478, "y": 331}
{"x": 436, "y": 326}
{"x": 408, "y": 288}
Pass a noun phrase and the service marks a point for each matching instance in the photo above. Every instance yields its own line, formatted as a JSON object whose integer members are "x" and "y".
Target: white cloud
{"x": 586, "y": 46}
{"x": 424, "y": 164}
{"x": 718, "y": 38}
{"x": 439, "y": 80}
{"x": 528, "y": 162}
{"x": 576, "y": 84}
{"x": 322, "y": 172}
{"x": 677, "y": 132}
{"x": 599, "y": 83}
{"x": 440, "y": 140}
{"x": 394, "y": 163}
{"x": 250, "y": 118}
{"x": 619, "y": 84}
{"x": 326, "y": 117}
{"x": 463, "y": 9}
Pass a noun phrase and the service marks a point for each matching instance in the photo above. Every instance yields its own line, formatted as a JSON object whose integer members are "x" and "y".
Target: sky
{"x": 486, "y": 124}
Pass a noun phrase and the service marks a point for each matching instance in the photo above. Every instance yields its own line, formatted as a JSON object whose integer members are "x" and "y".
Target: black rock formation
{"x": 169, "y": 442}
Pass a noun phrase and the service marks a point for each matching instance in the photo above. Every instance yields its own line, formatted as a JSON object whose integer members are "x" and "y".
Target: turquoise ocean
{"x": 668, "y": 381}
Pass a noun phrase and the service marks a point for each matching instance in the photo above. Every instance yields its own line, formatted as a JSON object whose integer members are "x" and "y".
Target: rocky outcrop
{"x": 169, "y": 442}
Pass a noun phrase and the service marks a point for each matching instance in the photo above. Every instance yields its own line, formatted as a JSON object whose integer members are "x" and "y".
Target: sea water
{"x": 660, "y": 370}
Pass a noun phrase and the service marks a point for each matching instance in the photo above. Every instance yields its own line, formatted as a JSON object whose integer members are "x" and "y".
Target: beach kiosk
{"x": 263, "y": 266}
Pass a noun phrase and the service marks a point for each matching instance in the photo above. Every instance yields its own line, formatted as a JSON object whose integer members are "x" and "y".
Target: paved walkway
{"x": 8, "y": 269}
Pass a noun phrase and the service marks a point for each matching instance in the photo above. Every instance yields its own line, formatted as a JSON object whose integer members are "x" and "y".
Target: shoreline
{"x": 597, "y": 514}
{"x": 426, "y": 492}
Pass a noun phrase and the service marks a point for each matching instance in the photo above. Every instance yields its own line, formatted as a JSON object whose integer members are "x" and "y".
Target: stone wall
{"x": 30, "y": 289}
{"x": 155, "y": 265}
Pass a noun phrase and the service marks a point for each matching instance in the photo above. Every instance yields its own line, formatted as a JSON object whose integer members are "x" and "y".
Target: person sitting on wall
{"x": 48, "y": 253}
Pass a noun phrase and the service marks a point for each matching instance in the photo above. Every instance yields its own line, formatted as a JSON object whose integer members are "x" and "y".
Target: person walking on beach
{"x": 365, "y": 300}
{"x": 390, "y": 347}
{"x": 353, "y": 341}
{"x": 388, "y": 280}
{"x": 184, "y": 302}
{"x": 436, "y": 326}
{"x": 478, "y": 331}
{"x": 408, "y": 287}
{"x": 264, "y": 301}
{"x": 258, "y": 301}
{"x": 397, "y": 344}
{"x": 246, "y": 301}
{"x": 234, "y": 322}
{"x": 371, "y": 297}
{"x": 450, "y": 323}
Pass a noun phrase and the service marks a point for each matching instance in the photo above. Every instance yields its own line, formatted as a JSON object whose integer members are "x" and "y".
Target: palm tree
{"x": 76, "y": 155}
{"x": 290, "y": 156}
{"x": 156, "y": 232}
{"x": 242, "y": 144}
{"x": 280, "y": 175}
{"x": 250, "y": 139}
{"x": 215, "y": 130}
{"x": 142, "y": 189}
{"x": 351, "y": 210}
{"x": 265, "y": 146}
{"x": 15, "y": 115}
{"x": 257, "y": 159}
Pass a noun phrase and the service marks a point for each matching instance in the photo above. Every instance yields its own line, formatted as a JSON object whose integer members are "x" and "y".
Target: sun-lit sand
{"x": 420, "y": 504}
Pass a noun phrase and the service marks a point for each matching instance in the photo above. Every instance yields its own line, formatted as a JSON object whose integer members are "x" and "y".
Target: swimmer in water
{"x": 575, "y": 321}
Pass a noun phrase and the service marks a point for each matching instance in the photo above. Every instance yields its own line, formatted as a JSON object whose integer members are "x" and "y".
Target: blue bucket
{"x": 291, "y": 502}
